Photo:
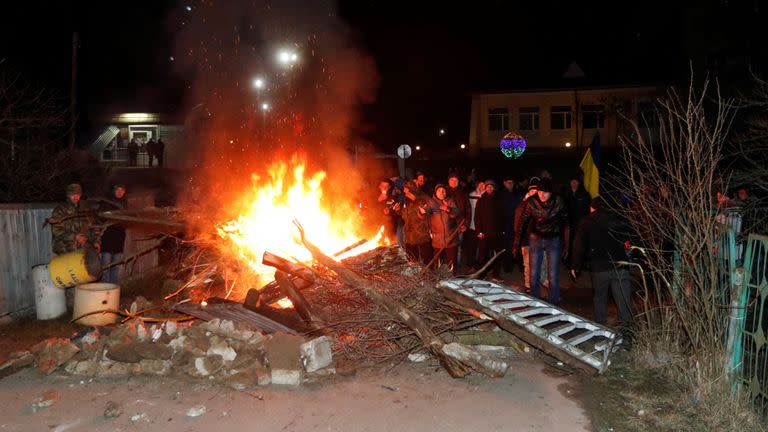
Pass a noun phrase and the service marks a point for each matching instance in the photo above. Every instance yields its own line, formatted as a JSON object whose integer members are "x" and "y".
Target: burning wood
{"x": 286, "y": 266}
{"x": 300, "y": 303}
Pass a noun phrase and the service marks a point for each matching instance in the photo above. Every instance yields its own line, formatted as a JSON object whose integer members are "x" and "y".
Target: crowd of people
{"x": 155, "y": 151}
{"x": 470, "y": 225}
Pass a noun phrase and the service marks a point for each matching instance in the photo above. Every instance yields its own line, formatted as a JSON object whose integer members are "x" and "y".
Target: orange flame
{"x": 268, "y": 210}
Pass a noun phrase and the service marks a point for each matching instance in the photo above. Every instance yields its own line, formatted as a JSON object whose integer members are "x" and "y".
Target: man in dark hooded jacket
{"x": 489, "y": 226}
{"x": 602, "y": 236}
{"x": 510, "y": 199}
{"x": 545, "y": 216}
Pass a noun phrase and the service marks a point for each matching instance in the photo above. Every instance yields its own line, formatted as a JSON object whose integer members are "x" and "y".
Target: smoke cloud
{"x": 222, "y": 46}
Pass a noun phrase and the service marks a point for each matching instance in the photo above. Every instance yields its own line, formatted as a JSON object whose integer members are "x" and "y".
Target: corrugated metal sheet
{"x": 101, "y": 142}
{"x": 234, "y": 312}
{"x": 24, "y": 242}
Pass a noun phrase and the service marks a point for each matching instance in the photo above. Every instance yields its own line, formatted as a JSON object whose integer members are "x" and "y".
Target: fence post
{"x": 733, "y": 353}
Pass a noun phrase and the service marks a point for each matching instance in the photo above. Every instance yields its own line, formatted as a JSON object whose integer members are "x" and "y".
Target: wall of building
{"x": 626, "y": 99}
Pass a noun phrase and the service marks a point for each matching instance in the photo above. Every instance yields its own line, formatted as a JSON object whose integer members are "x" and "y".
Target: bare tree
{"x": 672, "y": 181}
{"x": 33, "y": 125}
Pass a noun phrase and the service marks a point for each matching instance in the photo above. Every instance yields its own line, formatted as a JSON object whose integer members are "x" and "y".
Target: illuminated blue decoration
{"x": 512, "y": 145}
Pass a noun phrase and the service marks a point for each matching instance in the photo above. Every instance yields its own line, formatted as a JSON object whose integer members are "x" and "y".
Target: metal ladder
{"x": 568, "y": 337}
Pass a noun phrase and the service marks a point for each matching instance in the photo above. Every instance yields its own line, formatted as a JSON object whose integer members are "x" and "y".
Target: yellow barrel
{"x": 75, "y": 268}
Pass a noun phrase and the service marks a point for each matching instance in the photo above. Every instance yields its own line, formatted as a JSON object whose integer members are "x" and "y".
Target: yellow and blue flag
{"x": 590, "y": 165}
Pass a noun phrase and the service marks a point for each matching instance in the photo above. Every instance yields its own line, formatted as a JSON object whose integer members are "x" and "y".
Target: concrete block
{"x": 291, "y": 377}
{"x": 316, "y": 354}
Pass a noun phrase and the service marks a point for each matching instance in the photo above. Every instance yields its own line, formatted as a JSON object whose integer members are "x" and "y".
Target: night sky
{"x": 430, "y": 55}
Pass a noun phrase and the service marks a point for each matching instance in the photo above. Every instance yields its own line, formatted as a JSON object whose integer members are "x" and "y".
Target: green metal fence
{"x": 749, "y": 361}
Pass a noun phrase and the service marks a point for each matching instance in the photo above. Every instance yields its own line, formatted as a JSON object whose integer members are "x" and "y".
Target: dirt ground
{"x": 412, "y": 397}
{"x": 532, "y": 396}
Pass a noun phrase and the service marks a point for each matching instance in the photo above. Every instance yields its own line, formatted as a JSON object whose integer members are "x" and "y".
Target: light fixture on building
{"x": 258, "y": 83}
{"x": 568, "y": 145}
{"x": 136, "y": 118}
{"x": 265, "y": 106}
{"x": 463, "y": 146}
{"x": 442, "y": 132}
{"x": 418, "y": 147}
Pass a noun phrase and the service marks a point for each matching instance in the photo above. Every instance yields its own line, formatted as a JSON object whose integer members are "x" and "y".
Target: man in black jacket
{"x": 603, "y": 235}
{"x": 545, "y": 216}
{"x": 489, "y": 226}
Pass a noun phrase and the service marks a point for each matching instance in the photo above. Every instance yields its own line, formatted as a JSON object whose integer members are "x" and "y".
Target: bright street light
{"x": 568, "y": 144}
{"x": 287, "y": 57}
{"x": 258, "y": 83}
{"x": 442, "y": 131}
{"x": 418, "y": 147}
{"x": 265, "y": 106}
{"x": 463, "y": 146}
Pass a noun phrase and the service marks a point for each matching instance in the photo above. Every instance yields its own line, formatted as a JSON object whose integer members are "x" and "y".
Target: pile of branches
{"x": 378, "y": 306}
{"x": 364, "y": 330}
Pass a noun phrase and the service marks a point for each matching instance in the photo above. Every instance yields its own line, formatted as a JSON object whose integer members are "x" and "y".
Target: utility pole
{"x": 73, "y": 94}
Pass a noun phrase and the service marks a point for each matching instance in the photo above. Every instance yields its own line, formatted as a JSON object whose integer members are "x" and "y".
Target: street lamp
{"x": 568, "y": 145}
{"x": 463, "y": 146}
{"x": 418, "y": 147}
{"x": 287, "y": 57}
{"x": 442, "y": 131}
{"x": 265, "y": 107}
{"x": 258, "y": 83}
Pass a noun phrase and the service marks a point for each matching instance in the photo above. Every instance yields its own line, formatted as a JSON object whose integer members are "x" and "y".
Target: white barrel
{"x": 50, "y": 302}
{"x": 93, "y": 297}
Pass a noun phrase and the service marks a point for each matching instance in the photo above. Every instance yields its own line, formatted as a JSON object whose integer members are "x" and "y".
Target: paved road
{"x": 413, "y": 397}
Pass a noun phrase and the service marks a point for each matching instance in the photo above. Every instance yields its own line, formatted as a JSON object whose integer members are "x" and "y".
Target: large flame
{"x": 288, "y": 193}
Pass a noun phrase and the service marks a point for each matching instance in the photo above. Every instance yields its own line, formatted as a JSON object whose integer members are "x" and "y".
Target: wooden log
{"x": 350, "y": 247}
{"x": 313, "y": 318}
{"x": 457, "y": 368}
{"x": 271, "y": 292}
{"x": 286, "y": 266}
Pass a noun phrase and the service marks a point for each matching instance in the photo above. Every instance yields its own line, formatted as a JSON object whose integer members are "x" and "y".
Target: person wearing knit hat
{"x": 74, "y": 189}
{"x": 546, "y": 217}
{"x": 69, "y": 226}
{"x": 533, "y": 183}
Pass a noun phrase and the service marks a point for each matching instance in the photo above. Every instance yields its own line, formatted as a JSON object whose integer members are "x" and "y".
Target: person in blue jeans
{"x": 545, "y": 217}
{"x": 113, "y": 237}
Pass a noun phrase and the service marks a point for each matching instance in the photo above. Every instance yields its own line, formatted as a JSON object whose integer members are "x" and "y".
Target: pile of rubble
{"x": 234, "y": 354}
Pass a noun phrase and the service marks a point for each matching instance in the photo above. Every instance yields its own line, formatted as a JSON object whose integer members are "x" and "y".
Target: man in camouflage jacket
{"x": 69, "y": 226}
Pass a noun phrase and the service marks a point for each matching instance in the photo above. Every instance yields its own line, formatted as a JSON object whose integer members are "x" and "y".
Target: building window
{"x": 593, "y": 116}
{"x": 561, "y": 117}
{"x": 498, "y": 119}
{"x": 529, "y": 118}
{"x": 647, "y": 115}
